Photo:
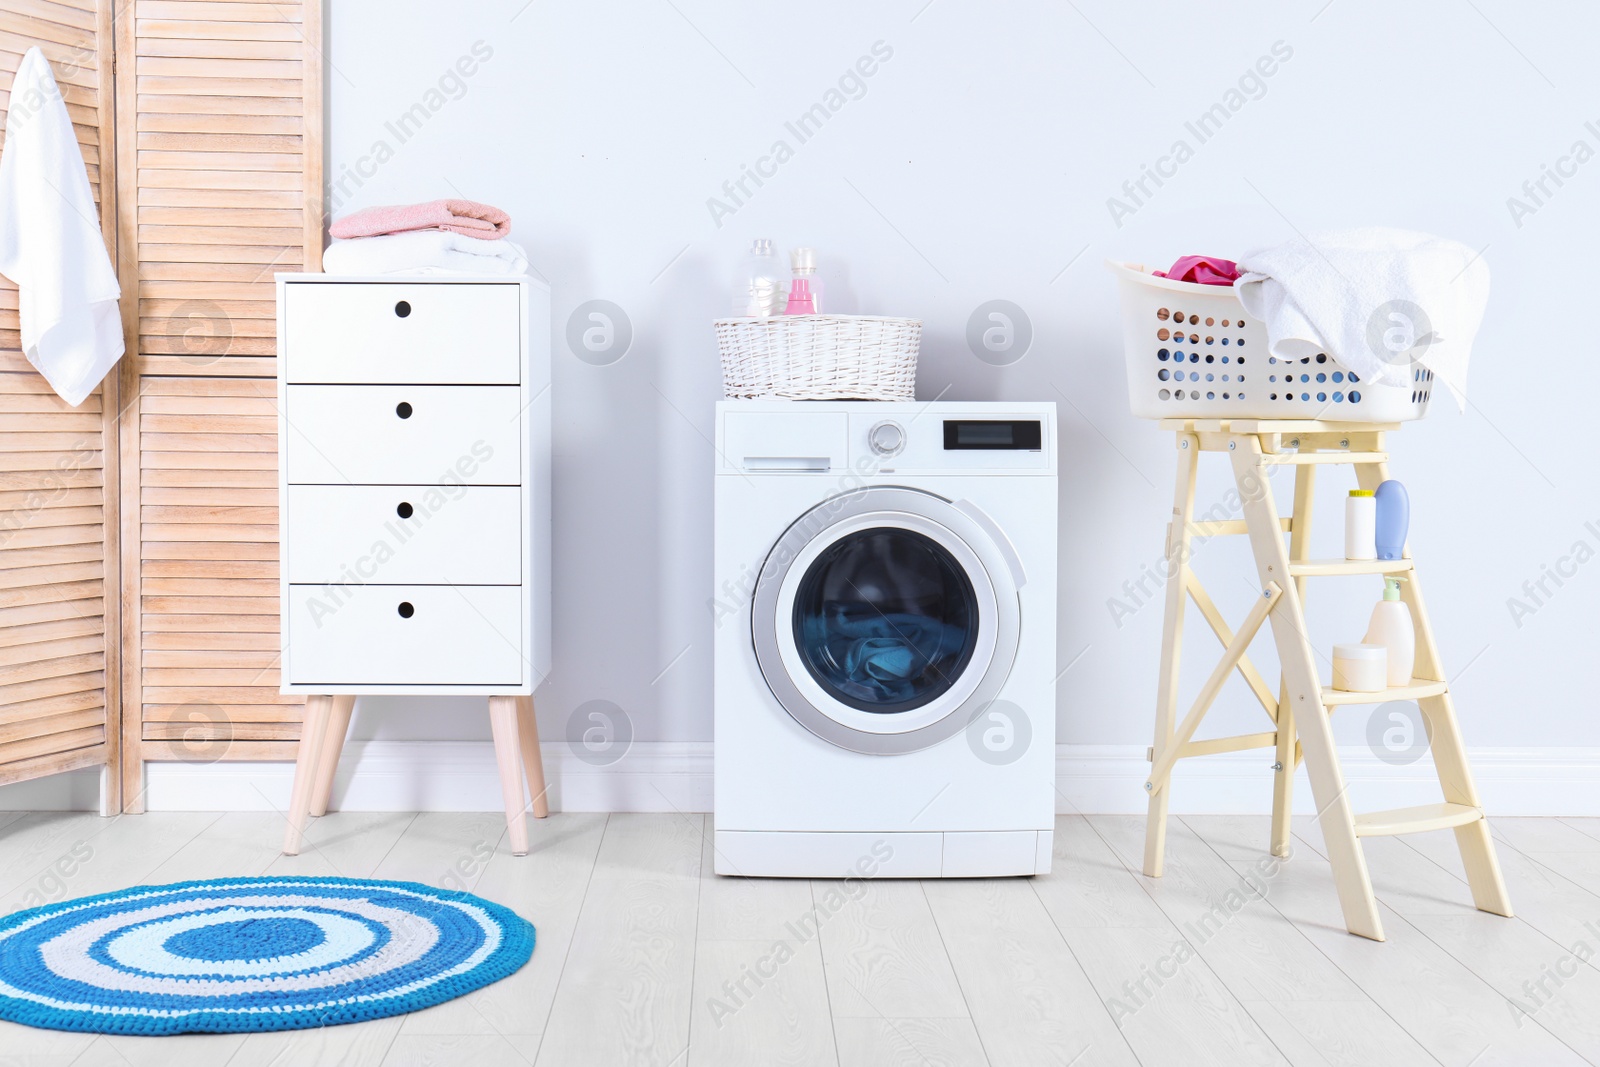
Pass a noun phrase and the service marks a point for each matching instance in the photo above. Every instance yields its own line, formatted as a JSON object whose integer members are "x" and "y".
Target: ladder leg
{"x": 1178, "y": 547}
{"x": 1455, "y": 778}
{"x": 1303, "y": 690}
{"x": 1444, "y": 740}
{"x": 1305, "y": 482}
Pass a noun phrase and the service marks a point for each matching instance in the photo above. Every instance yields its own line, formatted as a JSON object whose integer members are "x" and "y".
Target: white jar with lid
{"x": 1360, "y": 668}
{"x": 1360, "y": 525}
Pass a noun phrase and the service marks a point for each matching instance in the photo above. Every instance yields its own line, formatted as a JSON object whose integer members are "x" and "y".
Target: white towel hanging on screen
{"x": 50, "y": 242}
{"x": 1377, "y": 300}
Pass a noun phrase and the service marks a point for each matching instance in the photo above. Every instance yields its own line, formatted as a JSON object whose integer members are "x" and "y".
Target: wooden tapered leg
{"x": 532, "y": 760}
{"x": 1178, "y": 548}
{"x": 332, "y": 745}
{"x": 314, "y": 728}
{"x": 1302, "y": 690}
{"x": 508, "y": 755}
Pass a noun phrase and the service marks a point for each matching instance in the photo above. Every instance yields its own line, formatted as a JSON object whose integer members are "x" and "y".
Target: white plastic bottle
{"x": 1391, "y": 627}
{"x": 1360, "y": 525}
{"x": 759, "y": 291}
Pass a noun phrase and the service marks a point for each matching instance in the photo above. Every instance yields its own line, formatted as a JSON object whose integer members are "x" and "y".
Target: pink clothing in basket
{"x": 466, "y": 217}
{"x": 1206, "y": 270}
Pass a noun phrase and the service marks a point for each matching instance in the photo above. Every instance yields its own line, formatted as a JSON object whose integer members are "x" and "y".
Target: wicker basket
{"x": 819, "y": 357}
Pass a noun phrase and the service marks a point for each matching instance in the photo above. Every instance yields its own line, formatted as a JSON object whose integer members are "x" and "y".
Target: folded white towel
{"x": 424, "y": 252}
{"x": 50, "y": 242}
{"x": 1377, "y": 300}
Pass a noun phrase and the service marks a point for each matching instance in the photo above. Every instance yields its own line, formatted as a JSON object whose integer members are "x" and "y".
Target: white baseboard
{"x": 1109, "y": 780}
{"x": 446, "y": 776}
{"x": 676, "y": 776}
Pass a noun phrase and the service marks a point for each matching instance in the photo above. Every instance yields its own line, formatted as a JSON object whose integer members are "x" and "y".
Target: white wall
{"x": 977, "y": 164}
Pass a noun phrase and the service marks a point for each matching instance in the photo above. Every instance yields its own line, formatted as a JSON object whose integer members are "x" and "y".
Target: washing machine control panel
{"x": 887, "y": 438}
{"x": 929, "y": 442}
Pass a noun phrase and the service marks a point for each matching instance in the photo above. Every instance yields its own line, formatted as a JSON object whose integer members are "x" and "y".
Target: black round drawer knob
{"x": 404, "y": 510}
{"x": 402, "y": 309}
{"x": 406, "y": 610}
{"x": 403, "y": 409}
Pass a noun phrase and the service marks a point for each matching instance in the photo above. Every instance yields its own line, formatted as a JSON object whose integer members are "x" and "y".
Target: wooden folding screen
{"x": 219, "y": 113}
{"x": 138, "y": 532}
{"x": 58, "y": 464}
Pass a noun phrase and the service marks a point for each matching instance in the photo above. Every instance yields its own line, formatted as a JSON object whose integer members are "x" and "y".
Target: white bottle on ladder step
{"x": 1391, "y": 627}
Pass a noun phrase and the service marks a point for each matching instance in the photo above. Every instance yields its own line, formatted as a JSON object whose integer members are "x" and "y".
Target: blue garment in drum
{"x": 881, "y": 658}
{"x": 885, "y": 620}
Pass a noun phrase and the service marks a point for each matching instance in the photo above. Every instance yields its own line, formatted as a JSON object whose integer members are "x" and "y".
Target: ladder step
{"x": 1419, "y": 688}
{"x": 1416, "y": 820}
{"x": 1312, "y": 568}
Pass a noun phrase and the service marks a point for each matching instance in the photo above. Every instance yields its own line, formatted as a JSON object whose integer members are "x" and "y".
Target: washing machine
{"x": 884, "y": 606}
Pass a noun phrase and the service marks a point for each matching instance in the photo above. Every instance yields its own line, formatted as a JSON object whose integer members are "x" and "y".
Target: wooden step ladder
{"x": 1302, "y": 705}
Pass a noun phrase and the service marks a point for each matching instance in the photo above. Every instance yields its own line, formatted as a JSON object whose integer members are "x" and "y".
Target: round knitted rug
{"x": 251, "y": 954}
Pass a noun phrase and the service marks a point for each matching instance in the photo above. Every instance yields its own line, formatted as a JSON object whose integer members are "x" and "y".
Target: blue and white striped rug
{"x": 251, "y": 954}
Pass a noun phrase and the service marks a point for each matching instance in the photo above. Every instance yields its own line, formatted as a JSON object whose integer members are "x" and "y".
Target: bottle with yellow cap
{"x": 1360, "y": 525}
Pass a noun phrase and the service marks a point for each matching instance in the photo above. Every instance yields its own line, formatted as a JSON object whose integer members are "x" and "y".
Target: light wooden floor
{"x": 1227, "y": 960}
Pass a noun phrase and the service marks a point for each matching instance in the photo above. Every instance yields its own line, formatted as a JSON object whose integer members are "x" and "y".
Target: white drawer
{"x": 403, "y": 434}
{"x": 452, "y": 534}
{"x": 353, "y": 332}
{"x": 356, "y": 635}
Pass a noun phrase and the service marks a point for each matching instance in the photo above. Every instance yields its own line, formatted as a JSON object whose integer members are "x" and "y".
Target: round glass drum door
{"x": 883, "y": 616}
{"x": 885, "y": 620}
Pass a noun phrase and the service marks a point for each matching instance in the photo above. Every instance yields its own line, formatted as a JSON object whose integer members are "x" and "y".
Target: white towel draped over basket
{"x": 1377, "y": 300}
{"x": 50, "y": 240}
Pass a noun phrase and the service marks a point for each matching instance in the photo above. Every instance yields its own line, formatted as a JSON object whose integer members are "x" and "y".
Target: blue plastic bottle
{"x": 1394, "y": 519}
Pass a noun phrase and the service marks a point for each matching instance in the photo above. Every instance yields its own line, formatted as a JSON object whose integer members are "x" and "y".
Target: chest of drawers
{"x": 414, "y": 438}
{"x": 414, "y": 509}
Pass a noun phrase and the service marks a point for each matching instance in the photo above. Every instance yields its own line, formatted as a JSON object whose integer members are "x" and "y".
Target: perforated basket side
{"x": 1190, "y": 351}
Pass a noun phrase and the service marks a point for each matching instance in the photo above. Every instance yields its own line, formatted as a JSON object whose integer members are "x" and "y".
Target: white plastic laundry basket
{"x": 1191, "y": 352}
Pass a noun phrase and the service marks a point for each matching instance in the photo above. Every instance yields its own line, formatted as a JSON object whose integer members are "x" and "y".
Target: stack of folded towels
{"x": 441, "y": 237}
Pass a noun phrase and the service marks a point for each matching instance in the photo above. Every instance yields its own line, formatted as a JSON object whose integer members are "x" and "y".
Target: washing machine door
{"x": 885, "y": 618}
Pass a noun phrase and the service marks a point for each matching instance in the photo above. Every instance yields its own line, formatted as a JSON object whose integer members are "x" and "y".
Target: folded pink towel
{"x": 457, "y": 216}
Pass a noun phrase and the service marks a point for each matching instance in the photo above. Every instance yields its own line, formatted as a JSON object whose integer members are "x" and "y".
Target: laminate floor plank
{"x": 760, "y": 1002}
{"x": 546, "y": 887}
{"x": 645, "y": 956}
{"x": 1166, "y": 1001}
{"x": 1543, "y": 981}
{"x": 32, "y": 845}
{"x": 1555, "y": 893}
{"x": 1438, "y": 1001}
{"x": 882, "y": 952}
{"x": 1544, "y": 835}
{"x": 1225, "y": 914}
{"x": 625, "y": 988}
{"x": 1028, "y": 996}
{"x": 909, "y": 1043}
{"x": 747, "y": 909}
{"x": 1589, "y": 826}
